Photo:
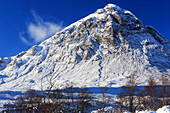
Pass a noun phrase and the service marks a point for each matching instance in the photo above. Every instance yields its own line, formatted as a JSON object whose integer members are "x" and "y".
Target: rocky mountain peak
{"x": 101, "y": 49}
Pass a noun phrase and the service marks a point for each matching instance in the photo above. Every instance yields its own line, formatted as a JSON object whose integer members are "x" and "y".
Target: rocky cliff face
{"x": 102, "y": 49}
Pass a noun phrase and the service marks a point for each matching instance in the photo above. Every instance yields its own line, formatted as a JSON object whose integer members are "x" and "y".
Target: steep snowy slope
{"x": 101, "y": 49}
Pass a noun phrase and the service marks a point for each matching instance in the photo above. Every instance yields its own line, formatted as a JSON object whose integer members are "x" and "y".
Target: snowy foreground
{"x": 165, "y": 109}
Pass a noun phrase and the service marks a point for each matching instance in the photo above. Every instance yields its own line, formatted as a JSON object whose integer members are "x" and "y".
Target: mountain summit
{"x": 102, "y": 49}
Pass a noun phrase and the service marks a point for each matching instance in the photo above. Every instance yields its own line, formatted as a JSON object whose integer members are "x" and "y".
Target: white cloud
{"x": 39, "y": 31}
{"x": 25, "y": 40}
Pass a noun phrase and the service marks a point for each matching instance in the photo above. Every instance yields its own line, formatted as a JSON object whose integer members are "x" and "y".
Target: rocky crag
{"x": 102, "y": 49}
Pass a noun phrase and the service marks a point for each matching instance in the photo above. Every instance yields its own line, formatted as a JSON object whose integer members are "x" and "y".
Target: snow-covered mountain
{"x": 102, "y": 49}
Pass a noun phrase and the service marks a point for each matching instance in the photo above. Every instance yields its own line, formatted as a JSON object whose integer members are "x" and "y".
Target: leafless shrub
{"x": 128, "y": 98}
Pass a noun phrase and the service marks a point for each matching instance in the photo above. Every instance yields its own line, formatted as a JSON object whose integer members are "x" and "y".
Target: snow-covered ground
{"x": 165, "y": 109}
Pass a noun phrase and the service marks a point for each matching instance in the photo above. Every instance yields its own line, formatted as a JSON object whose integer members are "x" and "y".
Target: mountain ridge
{"x": 102, "y": 49}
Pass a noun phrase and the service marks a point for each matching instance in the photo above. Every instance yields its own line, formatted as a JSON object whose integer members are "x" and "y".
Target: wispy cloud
{"x": 39, "y": 30}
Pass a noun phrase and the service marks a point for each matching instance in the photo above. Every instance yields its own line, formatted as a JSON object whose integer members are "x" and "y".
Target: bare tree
{"x": 129, "y": 91}
{"x": 152, "y": 93}
{"x": 165, "y": 83}
{"x": 121, "y": 102}
{"x": 45, "y": 93}
{"x": 104, "y": 98}
{"x": 84, "y": 100}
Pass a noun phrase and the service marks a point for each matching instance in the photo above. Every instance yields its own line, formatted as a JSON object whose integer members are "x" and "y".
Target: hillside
{"x": 100, "y": 50}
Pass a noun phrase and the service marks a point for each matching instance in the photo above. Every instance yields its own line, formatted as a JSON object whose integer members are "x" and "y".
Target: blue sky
{"x": 24, "y": 23}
